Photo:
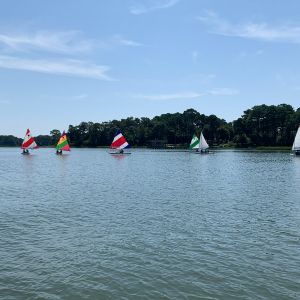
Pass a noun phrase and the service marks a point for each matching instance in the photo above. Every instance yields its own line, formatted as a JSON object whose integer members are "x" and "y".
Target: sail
{"x": 202, "y": 143}
{"x": 296, "y": 145}
{"x": 119, "y": 142}
{"x": 194, "y": 142}
{"x": 63, "y": 143}
{"x": 29, "y": 142}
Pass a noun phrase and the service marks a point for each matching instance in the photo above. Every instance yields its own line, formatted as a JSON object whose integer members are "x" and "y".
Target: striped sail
{"x": 296, "y": 145}
{"x": 29, "y": 142}
{"x": 119, "y": 142}
{"x": 202, "y": 143}
{"x": 63, "y": 143}
{"x": 194, "y": 142}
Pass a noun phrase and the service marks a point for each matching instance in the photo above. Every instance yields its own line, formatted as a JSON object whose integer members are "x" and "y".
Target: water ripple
{"x": 154, "y": 225}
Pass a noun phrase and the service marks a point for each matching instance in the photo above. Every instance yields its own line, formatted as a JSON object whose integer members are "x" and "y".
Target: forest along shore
{"x": 262, "y": 127}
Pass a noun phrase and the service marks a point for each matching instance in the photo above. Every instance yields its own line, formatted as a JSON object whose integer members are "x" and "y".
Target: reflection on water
{"x": 150, "y": 225}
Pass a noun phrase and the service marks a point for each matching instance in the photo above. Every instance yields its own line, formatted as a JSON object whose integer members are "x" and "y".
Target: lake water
{"x": 151, "y": 225}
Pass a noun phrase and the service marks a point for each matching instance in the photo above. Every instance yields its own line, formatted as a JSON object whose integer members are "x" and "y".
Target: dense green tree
{"x": 44, "y": 140}
{"x": 9, "y": 141}
{"x": 262, "y": 125}
{"x": 55, "y": 135}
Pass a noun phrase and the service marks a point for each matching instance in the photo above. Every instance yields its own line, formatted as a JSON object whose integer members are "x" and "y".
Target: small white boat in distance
{"x": 296, "y": 145}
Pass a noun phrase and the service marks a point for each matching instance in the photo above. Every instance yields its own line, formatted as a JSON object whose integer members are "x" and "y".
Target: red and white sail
{"x": 119, "y": 141}
{"x": 29, "y": 142}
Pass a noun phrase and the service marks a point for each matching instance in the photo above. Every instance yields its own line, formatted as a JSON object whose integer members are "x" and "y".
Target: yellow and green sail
{"x": 63, "y": 143}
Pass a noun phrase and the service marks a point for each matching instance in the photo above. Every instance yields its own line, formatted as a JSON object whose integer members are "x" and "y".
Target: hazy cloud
{"x": 223, "y": 92}
{"x": 119, "y": 40}
{"x": 188, "y": 95}
{"x": 153, "y": 5}
{"x": 59, "y": 67}
{"x": 61, "y": 42}
{"x": 251, "y": 30}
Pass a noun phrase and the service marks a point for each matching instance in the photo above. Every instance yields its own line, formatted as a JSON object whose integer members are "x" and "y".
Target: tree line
{"x": 262, "y": 125}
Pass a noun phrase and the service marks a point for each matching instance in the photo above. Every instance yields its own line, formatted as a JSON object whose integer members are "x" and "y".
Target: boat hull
{"x": 115, "y": 153}
{"x": 203, "y": 153}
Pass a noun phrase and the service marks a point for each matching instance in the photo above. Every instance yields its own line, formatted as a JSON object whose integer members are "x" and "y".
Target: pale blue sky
{"x": 63, "y": 62}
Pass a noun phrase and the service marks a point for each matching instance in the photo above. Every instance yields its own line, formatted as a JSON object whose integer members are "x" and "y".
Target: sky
{"x": 64, "y": 62}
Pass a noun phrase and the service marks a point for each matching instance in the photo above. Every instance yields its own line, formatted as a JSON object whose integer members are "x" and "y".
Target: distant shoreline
{"x": 259, "y": 148}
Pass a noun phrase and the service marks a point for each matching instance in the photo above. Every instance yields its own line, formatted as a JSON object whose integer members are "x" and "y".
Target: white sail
{"x": 203, "y": 144}
{"x": 296, "y": 145}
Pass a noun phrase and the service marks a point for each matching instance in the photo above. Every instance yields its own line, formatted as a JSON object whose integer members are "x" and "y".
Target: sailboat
{"x": 62, "y": 144}
{"x": 203, "y": 146}
{"x": 119, "y": 143}
{"x": 296, "y": 145}
{"x": 194, "y": 143}
{"x": 28, "y": 143}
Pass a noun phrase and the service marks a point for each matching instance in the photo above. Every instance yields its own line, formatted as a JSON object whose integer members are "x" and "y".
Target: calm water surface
{"x": 151, "y": 225}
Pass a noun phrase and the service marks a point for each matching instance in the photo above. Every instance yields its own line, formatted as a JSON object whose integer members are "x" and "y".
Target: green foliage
{"x": 268, "y": 125}
{"x": 9, "y": 141}
{"x": 44, "y": 140}
{"x": 262, "y": 125}
{"x": 176, "y": 128}
{"x": 55, "y": 135}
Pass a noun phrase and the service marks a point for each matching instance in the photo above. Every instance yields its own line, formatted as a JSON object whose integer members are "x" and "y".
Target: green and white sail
{"x": 202, "y": 143}
{"x": 194, "y": 142}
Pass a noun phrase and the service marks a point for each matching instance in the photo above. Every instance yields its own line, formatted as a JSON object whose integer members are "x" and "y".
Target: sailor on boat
{"x": 25, "y": 151}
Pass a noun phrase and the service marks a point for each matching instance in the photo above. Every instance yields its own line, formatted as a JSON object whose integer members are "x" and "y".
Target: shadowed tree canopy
{"x": 262, "y": 125}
